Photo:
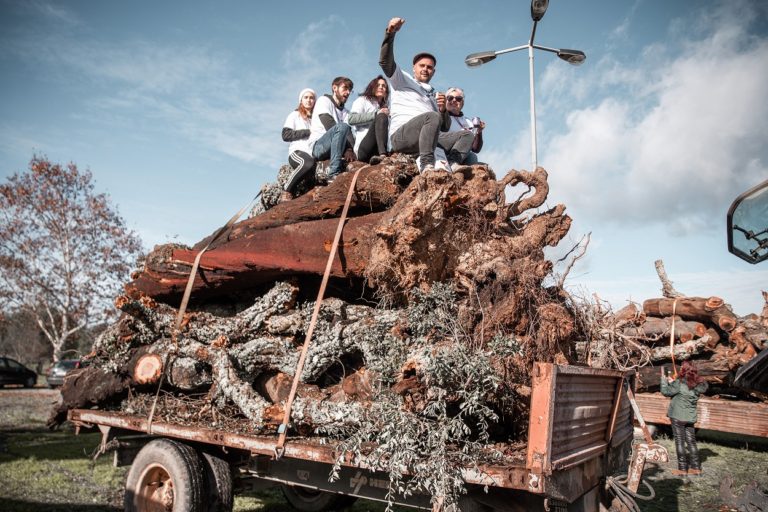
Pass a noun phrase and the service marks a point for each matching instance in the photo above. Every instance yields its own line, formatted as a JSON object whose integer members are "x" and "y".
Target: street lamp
{"x": 575, "y": 57}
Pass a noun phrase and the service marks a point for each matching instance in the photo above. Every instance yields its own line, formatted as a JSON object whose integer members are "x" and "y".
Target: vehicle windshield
{"x": 67, "y": 364}
{"x": 748, "y": 225}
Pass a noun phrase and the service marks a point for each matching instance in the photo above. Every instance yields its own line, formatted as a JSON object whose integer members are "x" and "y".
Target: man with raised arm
{"x": 417, "y": 111}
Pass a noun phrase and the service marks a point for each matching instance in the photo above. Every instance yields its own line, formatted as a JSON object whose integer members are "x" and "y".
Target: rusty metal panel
{"x": 737, "y": 417}
{"x": 624, "y": 428}
{"x": 617, "y": 397}
{"x": 541, "y": 417}
{"x": 585, "y": 414}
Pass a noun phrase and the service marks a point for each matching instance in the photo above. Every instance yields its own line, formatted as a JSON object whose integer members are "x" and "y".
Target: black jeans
{"x": 375, "y": 141}
{"x": 685, "y": 439}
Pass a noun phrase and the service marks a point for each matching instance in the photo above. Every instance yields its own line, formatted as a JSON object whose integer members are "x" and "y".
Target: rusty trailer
{"x": 580, "y": 432}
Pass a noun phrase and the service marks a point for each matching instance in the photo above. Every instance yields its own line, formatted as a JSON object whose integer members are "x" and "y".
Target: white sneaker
{"x": 443, "y": 164}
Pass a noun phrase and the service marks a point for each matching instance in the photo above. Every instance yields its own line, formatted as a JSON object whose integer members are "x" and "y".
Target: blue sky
{"x": 176, "y": 107}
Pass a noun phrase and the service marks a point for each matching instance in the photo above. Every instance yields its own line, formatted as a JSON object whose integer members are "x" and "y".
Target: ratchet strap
{"x": 185, "y": 302}
{"x": 672, "y": 340}
{"x": 193, "y": 272}
{"x": 282, "y": 430}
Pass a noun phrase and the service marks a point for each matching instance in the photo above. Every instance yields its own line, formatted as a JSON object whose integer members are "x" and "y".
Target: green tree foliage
{"x": 64, "y": 249}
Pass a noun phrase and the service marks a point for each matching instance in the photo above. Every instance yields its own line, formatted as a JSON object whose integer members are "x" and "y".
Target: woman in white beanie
{"x": 296, "y": 131}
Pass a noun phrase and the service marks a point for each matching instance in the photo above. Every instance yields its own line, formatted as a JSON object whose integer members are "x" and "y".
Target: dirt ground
{"x": 42, "y": 470}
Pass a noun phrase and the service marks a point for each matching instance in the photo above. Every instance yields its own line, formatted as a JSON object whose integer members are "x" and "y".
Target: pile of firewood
{"x": 677, "y": 328}
{"x": 439, "y": 301}
{"x": 434, "y": 271}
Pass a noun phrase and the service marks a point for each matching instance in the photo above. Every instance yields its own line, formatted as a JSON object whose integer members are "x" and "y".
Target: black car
{"x": 13, "y": 372}
{"x": 58, "y": 371}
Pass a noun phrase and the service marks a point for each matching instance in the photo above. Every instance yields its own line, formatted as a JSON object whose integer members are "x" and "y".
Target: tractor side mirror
{"x": 748, "y": 225}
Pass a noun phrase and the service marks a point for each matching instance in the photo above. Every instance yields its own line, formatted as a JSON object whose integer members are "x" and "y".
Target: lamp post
{"x": 575, "y": 57}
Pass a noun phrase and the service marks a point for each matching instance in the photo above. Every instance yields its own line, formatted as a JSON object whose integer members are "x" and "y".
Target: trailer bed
{"x": 578, "y": 416}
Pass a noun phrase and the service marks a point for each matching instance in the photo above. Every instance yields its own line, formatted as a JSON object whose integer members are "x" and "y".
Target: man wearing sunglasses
{"x": 454, "y": 103}
{"x": 417, "y": 111}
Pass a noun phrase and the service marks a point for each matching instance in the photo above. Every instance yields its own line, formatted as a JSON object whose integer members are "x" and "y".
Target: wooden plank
{"x": 737, "y": 417}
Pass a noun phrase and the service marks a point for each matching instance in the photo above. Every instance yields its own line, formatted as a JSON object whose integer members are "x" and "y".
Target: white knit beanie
{"x": 305, "y": 91}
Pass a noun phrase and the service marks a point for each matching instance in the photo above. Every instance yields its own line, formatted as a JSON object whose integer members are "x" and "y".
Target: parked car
{"x": 58, "y": 371}
{"x": 13, "y": 372}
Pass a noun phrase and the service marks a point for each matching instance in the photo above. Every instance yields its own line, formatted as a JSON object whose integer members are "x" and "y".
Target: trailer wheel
{"x": 310, "y": 500}
{"x": 166, "y": 476}
{"x": 218, "y": 484}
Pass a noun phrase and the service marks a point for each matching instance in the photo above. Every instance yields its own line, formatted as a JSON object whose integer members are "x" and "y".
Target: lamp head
{"x": 575, "y": 57}
{"x": 538, "y": 9}
{"x": 478, "y": 59}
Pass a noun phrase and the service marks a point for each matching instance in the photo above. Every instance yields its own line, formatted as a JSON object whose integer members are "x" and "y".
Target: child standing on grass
{"x": 684, "y": 391}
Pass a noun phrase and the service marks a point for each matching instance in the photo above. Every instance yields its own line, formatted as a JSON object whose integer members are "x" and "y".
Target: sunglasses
{"x": 454, "y": 98}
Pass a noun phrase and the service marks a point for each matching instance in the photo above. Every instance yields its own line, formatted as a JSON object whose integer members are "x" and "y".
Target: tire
{"x": 166, "y": 476}
{"x": 217, "y": 483}
{"x": 310, "y": 500}
{"x": 30, "y": 382}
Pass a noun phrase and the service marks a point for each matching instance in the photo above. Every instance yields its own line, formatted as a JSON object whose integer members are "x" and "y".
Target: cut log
{"x": 714, "y": 338}
{"x": 629, "y": 314}
{"x": 148, "y": 369}
{"x": 657, "y": 330}
{"x": 272, "y": 254}
{"x": 682, "y": 351}
{"x": 648, "y": 377}
{"x": 711, "y": 309}
{"x": 377, "y": 188}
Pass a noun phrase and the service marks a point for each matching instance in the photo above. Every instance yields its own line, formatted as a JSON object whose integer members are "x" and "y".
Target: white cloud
{"x": 55, "y": 13}
{"x": 674, "y": 138}
{"x": 195, "y": 91}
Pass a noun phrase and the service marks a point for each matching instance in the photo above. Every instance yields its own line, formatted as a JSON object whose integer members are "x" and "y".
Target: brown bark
{"x": 729, "y": 356}
{"x": 629, "y": 314}
{"x": 377, "y": 188}
{"x": 743, "y": 345}
{"x": 648, "y": 377}
{"x": 714, "y": 337}
{"x": 271, "y": 254}
{"x": 711, "y": 309}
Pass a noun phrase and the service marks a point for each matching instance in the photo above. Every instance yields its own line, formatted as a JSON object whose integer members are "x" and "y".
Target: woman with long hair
{"x": 684, "y": 389}
{"x": 296, "y": 131}
{"x": 369, "y": 118}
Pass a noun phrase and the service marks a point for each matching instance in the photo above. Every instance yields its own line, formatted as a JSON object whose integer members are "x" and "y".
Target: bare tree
{"x": 21, "y": 338}
{"x": 64, "y": 249}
